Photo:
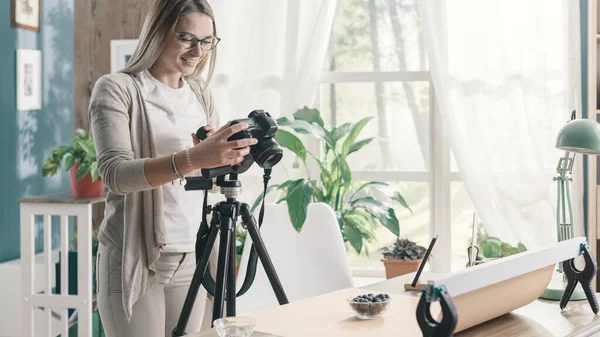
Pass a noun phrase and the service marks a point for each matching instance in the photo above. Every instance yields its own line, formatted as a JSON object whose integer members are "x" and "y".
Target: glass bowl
{"x": 370, "y": 306}
{"x": 234, "y": 326}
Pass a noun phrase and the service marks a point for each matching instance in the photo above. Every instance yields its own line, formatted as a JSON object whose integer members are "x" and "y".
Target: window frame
{"x": 439, "y": 175}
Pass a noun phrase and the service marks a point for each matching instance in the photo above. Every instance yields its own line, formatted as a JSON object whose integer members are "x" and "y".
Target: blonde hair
{"x": 159, "y": 26}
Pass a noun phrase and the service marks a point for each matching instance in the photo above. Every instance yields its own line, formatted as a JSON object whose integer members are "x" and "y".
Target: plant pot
{"x": 84, "y": 187}
{"x": 398, "y": 267}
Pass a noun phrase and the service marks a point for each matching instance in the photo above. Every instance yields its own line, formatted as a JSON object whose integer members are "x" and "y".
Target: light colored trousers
{"x": 156, "y": 313}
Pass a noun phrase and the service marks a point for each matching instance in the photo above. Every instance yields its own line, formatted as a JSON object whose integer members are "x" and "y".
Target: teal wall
{"x": 28, "y": 137}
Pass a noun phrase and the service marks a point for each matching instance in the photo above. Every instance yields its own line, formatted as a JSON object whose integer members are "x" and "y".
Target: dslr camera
{"x": 266, "y": 153}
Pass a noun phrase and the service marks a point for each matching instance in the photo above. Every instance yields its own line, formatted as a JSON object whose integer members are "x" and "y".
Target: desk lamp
{"x": 577, "y": 136}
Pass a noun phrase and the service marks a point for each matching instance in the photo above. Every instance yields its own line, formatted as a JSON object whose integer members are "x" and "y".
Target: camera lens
{"x": 266, "y": 152}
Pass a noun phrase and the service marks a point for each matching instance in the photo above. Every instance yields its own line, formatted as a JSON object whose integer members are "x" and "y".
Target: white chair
{"x": 308, "y": 263}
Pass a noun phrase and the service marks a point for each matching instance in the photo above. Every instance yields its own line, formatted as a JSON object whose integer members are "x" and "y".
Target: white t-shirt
{"x": 174, "y": 115}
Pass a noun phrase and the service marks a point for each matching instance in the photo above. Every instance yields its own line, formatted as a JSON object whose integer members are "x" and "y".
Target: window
{"x": 376, "y": 66}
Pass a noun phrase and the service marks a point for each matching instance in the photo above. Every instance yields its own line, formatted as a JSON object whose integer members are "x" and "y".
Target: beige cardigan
{"x": 132, "y": 228}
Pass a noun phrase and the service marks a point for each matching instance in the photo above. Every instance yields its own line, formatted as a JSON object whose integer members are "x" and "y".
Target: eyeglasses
{"x": 189, "y": 41}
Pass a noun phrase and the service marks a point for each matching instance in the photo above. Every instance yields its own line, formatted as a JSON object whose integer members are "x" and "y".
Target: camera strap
{"x": 203, "y": 230}
{"x": 266, "y": 178}
{"x": 253, "y": 258}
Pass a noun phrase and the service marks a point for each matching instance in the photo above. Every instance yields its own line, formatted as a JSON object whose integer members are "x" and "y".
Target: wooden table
{"x": 540, "y": 318}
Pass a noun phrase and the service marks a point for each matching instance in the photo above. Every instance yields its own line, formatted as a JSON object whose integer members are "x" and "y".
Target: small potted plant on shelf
{"x": 402, "y": 257}
{"x": 80, "y": 161}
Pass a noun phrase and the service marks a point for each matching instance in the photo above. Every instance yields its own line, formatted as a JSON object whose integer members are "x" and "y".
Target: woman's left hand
{"x": 209, "y": 131}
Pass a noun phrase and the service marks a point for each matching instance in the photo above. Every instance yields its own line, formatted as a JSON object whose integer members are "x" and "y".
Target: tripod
{"x": 224, "y": 215}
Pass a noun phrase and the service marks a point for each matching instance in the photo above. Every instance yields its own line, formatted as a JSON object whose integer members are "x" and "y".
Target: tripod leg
{"x": 250, "y": 222}
{"x": 226, "y": 225}
{"x": 231, "y": 277}
{"x": 190, "y": 298}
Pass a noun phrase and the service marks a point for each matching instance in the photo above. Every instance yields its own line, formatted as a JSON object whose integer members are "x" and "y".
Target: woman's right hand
{"x": 217, "y": 151}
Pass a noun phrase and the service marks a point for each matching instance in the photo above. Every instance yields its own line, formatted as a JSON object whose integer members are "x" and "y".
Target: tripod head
{"x": 230, "y": 187}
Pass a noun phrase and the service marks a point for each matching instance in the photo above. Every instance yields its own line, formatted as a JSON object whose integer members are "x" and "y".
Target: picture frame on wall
{"x": 29, "y": 79}
{"x": 26, "y": 14}
{"x": 120, "y": 53}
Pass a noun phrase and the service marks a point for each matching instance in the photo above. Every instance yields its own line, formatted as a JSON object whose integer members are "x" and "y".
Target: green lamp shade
{"x": 581, "y": 136}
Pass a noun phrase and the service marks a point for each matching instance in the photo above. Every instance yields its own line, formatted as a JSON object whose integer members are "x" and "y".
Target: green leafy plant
{"x": 493, "y": 247}
{"x": 82, "y": 151}
{"x": 403, "y": 249}
{"x": 356, "y": 211}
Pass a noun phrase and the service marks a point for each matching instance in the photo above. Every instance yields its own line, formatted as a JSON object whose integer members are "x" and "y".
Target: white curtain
{"x": 270, "y": 58}
{"x": 507, "y": 76}
{"x": 271, "y": 54}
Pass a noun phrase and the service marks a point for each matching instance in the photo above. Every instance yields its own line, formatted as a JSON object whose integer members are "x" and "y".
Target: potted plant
{"x": 355, "y": 207}
{"x": 80, "y": 162}
{"x": 402, "y": 257}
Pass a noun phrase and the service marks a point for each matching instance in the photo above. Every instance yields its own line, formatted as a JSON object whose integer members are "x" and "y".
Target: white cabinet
{"x": 56, "y": 306}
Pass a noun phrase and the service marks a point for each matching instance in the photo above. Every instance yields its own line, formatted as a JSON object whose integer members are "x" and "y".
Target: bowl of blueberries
{"x": 370, "y": 306}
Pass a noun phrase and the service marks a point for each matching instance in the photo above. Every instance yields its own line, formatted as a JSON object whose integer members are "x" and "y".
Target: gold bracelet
{"x": 188, "y": 159}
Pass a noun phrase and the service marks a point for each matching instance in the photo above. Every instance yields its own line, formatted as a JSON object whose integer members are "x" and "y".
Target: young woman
{"x": 141, "y": 119}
